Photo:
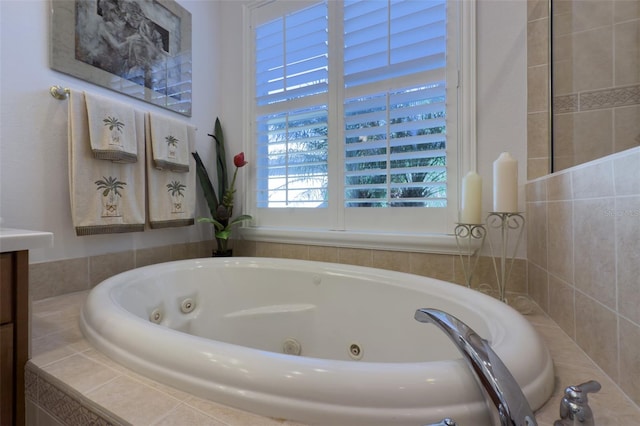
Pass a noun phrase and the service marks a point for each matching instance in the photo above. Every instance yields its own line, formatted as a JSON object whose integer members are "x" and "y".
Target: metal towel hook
{"x": 59, "y": 92}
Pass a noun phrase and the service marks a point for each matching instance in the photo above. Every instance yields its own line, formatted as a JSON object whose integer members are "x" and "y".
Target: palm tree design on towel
{"x": 110, "y": 187}
{"x": 115, "y": 126}
{"x": 175, "y": 189}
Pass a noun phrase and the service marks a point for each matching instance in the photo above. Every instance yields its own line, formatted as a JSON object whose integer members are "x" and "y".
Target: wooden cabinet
{"x": 14, "y": 334}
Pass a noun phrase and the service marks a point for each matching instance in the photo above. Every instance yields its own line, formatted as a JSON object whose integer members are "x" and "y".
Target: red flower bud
{"x": 238, "y": 160}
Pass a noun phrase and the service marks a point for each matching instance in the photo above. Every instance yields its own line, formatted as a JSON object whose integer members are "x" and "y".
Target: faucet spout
{"x": 500, "y": 386}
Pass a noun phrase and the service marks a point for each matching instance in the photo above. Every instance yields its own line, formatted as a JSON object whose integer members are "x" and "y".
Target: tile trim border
{"x": 597, "y": 99}
{"x": 63, "y": 403}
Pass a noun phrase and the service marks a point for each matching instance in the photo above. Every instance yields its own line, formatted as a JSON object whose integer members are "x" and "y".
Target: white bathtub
{"x": 363, "y": 359}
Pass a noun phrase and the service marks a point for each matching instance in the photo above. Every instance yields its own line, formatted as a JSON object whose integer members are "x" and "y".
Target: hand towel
{"x": 112, "y": 129}
{"x": 171, "y": 196}
{"x": 106, "y": 197}
{"x": 170, "y": 144}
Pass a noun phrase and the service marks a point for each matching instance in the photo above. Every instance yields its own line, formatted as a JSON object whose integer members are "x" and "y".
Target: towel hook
{"x": 59, "y": 92}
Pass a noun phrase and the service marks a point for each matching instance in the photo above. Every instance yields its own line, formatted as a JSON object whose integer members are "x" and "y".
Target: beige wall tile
{"x": 538, "y": 285}
{"x": 184, "y": 415}
{"x": 537, "y": 167}
{"x": 630, "y": 359}
{"x": 627, "y": 173}
{"x": 81, "y": 373}
{"x": 323, "y": 254}
{"x": 585, "y": 14}
{"x": 594, "y": 131}
{"x": 559, "y": 187}
{"x": 537, "y": 9}
{"x": 228, "y": 415}
{"x": 595, "y": 180}
{"x": 537, "y": 233}
{"x": 153, "y": 255}
{"x": 561, "y": 308}
{"x": 564, "y": 128}
{"x": 536, "y": 190}
{"x": 295, "y": 251}
{"x": 391, "y": 260}
{"x": 58, "y": 277}
{"x": 594, "y": 250}
{"x": 518, "y": 279}
{"x": 538, "y": 42}
{"x": 243, "y": 248}
{"x": 268, "y": 249}
{"x": 562, "y": 65}
{"x": 627, "y": 218}
{"x": 537, "y": 87}
{"x": 130, "y": 399}
{"x": 439, "y": 266}
{"x": 592, "y": 59}
{"x": 624, "y": 10}
{"x": 627, "y": 53}
{"x": 597, "y": 333}
{"x": 107, "y": 265}
{"x": 560, "y": 240}
{"x": 353, "y": 256}
{"x": 538, "y": 135}
{"x": 626, "y": 124}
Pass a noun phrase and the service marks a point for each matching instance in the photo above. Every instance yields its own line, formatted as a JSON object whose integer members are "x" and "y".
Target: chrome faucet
{"x": 574, "y": 407}
{"x": 502, "y": 389}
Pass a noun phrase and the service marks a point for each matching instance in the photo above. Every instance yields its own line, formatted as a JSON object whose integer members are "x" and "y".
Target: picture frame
{"x": 141, "y": 48}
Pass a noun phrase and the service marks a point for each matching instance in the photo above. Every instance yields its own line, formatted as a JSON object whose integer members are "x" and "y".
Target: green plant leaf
{"x": 223, "y": 234}
{"x": 206, "y": 185}
{"x": 240, "y": 218}
{"x": 221, "y": 158}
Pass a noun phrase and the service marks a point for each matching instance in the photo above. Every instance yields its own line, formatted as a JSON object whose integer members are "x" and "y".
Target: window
{"x": 355, "y": 115}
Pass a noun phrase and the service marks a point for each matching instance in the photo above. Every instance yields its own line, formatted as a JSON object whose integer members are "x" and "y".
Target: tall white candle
{"x": 505, "y": 184}
{"x": 471, "y": 199}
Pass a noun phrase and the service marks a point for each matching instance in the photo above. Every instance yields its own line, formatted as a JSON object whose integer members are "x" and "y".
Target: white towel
{"x": 171, "y": 200}
{"x": 106, "y": 197}
{"x": 170, "y": 143}
{"x": 112, "y": 129}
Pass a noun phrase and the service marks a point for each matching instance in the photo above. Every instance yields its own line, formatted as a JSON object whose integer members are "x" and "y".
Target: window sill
{"x": 419, "y": 243}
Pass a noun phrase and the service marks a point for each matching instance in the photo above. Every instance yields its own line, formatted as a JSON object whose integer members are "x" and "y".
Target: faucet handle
{"x": 574, "y": 407}
{"x": 579, "y": 393}
{"x": 444, "y": 422}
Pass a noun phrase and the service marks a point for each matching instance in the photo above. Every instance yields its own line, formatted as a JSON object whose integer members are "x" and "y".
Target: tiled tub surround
{"x": 596, "y": 79}
{"x": 70, "y": 383}
{"x": 583, "y": 251}
{"x": 56, "y": 278}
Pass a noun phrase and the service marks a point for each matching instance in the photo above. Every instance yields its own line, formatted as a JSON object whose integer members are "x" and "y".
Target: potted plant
{"x": 221, "y": 209}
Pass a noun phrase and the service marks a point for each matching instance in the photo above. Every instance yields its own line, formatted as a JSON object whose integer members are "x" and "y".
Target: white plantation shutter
{"x": 351, "y": 115}
{"x": 395, "y": 144}
{"x": 291, "y": 97}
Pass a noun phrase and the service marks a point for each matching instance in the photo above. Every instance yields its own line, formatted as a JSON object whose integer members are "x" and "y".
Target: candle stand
{"x": 466, "y": 234}
{"x": 507, "y": 224}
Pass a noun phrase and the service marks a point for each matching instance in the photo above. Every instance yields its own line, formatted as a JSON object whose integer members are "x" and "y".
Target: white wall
{"x": 33, "y": 150}
{"x": 33, "y": 140}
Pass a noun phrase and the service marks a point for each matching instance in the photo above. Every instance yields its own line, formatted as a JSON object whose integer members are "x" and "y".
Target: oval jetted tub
{"x": 318, "y": 343}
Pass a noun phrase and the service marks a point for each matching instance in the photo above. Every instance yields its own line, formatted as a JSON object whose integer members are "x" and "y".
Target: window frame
{"x": 290, "y": 230}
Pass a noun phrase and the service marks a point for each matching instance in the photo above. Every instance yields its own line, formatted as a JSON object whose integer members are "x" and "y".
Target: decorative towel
{"x": 112, "y": 129}
{"x": 170, "y": 144}
{"x": 106, "y": 197}
{"x": 171, "y": 199}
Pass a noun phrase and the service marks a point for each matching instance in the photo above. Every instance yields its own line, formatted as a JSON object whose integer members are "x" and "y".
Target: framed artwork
{"x": 141, "y": 48}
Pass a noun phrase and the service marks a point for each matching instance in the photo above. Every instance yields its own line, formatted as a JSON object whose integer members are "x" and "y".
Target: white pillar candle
{"x": 471, "y": 199}
{"x": 505, "y": 184}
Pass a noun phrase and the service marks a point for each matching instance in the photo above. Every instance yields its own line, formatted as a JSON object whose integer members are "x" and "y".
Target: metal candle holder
{"x": 466, "y": 234}
{"x": 507, "y": 223}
